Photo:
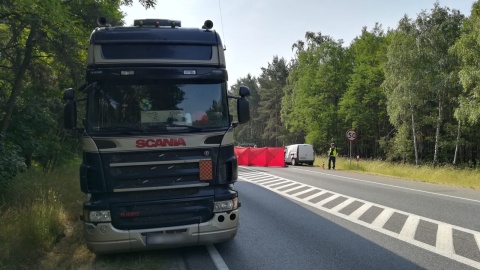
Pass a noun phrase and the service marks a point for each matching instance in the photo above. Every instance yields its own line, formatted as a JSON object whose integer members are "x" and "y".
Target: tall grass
{"x": 34, "y": 213}
{"x": 445, "y": 175}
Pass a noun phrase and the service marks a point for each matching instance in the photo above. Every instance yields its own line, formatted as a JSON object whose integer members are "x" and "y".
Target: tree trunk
{"x": 18, "y": 82}
{"x": 414, "y": 138}
{"x": 456, "y": 144}
{"x": 437, "y": 134}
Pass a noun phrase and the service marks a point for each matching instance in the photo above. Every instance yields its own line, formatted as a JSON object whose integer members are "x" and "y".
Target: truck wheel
{"x": 294, "y": 162}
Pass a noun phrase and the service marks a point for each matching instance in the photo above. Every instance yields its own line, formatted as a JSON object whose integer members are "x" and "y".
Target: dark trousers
{"x": 331, "y": 159}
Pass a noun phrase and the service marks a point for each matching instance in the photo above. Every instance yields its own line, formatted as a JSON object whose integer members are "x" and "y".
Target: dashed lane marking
{"x": 416, "y": 230}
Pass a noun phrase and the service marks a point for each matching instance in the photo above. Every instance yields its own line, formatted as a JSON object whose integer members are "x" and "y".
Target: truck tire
{"x": 294, "y": 162}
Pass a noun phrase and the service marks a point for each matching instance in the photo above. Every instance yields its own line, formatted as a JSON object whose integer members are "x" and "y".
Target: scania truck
{"x": 158, "y": 156}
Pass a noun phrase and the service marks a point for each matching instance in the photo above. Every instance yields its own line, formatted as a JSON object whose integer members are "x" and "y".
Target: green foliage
{"x": 272, "y": 82}
{"x": 467, "y": 48}
{"x": 41, "y": 224}
{"x": 363, "y": 105}
{"x": 420, "y": 79}
{"x": 42, "y": 53}
{"x": 11, "y": 162}
{"x": 400, "y": 91}
{"x": 316, "y": 84}
{"x": 42, "y": 200}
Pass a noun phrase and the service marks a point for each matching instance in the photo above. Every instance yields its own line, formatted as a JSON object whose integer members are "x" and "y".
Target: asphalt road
{"x": 309, "y": 218}
{"x": 289, "y": 221}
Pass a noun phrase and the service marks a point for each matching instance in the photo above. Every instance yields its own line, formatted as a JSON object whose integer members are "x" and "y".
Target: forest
{"x": 411, "y": 93}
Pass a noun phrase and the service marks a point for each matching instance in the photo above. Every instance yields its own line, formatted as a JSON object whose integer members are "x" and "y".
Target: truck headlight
{"x": 98, "y": 216}
{"x": 223, "y": 206}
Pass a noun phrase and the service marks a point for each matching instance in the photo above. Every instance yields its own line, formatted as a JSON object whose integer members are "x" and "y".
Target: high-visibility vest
{"x": 334, "y": 151}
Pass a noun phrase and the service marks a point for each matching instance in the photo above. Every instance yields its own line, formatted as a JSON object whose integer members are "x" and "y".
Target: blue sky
{"x": 254, "y": 31}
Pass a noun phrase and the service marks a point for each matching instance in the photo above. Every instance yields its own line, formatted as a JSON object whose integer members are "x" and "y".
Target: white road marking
{"x": 305, "y": 192}
{"x": 383, "y": 218}
{"x": 410, "y": 227}
{"x": 306, "y": 199}
{"x": 327, "y": 200}
{"x": 343, "y": 204}
{"x": 360, "y": 211}
{"x": 445, "y": 238}
{"x": 388, "y": 185}
{"x": 443, "y": 247}
{"x": 217, "y": 259}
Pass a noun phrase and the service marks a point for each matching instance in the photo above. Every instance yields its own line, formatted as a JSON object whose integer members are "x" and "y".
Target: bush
{"x": 11, "y": 162}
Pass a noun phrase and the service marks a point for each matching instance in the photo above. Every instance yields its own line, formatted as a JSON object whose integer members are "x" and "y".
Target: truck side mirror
{"x": 243, "y": 109}
{"x": 244, "y": 91}
{"x": 70, "y": 115}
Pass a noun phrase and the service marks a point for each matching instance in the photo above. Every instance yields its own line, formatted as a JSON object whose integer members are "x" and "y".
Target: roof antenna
{"x": 223, "y": 32}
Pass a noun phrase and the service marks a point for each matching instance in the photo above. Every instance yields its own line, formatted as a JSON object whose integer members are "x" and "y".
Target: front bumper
{"x": 104, "y": 238}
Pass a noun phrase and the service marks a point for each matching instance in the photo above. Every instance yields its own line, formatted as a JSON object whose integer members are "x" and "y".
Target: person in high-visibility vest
{"x": 332, "y": 154}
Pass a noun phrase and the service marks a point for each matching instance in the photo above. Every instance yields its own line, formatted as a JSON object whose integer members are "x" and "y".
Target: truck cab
{"x": 158, "y": 157}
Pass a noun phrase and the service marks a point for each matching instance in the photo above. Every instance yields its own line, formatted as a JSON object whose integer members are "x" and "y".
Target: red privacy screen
{"x": 265, "y": 157}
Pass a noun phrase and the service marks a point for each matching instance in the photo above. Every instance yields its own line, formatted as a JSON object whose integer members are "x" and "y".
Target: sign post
{"x": 351, "y": 136}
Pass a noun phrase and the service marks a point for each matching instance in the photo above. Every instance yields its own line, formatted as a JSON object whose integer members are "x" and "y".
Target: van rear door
{"x": 305, "y": 152}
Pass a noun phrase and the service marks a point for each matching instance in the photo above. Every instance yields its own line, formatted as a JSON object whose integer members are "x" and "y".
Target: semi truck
{"x": 158, "y": 166}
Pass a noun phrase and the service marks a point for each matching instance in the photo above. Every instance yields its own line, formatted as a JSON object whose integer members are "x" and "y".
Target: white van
{"x": 299, "y": 153}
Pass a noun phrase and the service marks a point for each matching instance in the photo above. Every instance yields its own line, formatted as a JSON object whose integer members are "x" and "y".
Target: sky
{"x": 254, "y": 31}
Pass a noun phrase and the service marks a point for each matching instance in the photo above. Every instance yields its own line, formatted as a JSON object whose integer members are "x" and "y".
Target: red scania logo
{"x": 130, "y": 214}
{"x": 161, "y": 142}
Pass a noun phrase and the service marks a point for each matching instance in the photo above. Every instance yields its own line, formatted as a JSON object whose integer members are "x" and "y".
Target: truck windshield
{"x": 157, "y": 107}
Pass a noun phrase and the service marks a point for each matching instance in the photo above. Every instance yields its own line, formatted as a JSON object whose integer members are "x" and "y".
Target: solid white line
{"x": 217, "y": 259}
{"x": 388, "y": 185}
{"x": 445, "y": 238}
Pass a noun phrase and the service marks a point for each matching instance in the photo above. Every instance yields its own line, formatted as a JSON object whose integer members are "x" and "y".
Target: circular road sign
{"x": 351, "y": 135}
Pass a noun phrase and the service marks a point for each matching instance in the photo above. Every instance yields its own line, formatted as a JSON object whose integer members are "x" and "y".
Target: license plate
{"x": 164, "y": 238}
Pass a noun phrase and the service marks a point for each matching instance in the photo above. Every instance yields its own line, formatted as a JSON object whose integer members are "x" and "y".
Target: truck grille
{"x": 158, "y": 214}
{"x": 153, "y": 169}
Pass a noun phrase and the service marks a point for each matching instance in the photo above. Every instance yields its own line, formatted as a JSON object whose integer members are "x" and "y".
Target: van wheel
{"x": 294, "y": 162}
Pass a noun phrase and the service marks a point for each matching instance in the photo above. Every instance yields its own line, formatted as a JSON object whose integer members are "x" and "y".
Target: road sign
{"x": 351, "y": 135}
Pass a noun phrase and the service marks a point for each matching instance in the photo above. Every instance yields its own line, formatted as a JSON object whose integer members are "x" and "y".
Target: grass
{"x": 444, "y": 175}
{"x": 39, "y": 227}
{"x": 36, "y": 212}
